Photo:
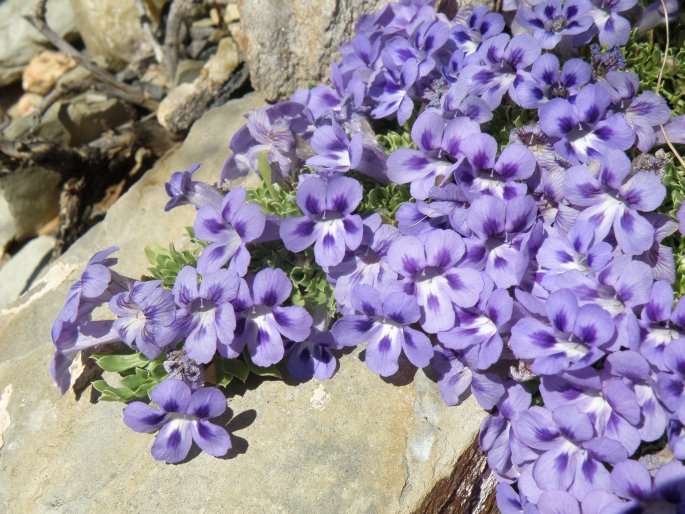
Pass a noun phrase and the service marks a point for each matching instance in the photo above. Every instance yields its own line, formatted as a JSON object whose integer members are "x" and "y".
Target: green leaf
{"x": 264, "y": 168}
{"x": 152, "y": 252}
{"x": 235, "y": 368}
{"x": 270, "y": 371}
{"x": 113, "y": 394}
{"x": 120, "y": 362}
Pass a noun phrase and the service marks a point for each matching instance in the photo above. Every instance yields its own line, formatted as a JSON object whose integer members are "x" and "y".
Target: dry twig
{"x": 172, "y": 34}
{"x": 146, "y": 23}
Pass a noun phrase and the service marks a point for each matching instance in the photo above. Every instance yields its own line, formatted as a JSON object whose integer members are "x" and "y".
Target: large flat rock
{"x": 352, "y": 444}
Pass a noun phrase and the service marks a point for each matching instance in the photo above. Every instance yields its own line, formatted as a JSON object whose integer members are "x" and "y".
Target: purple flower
{"x": 145, "y": 317}
{"x": 643, "y": 113}
{"x": 485, "y": 175}
{"x": 671, "y": 382}
{"x": 263, "y": 322}
{"x": 334, "y": 151}
{"x": 631, "y": 480}
{"x": 614, "y": 30}
{"x": 660, "y": 256}
{"x": 660, "y": 323}
{"x": 550, "y": 21}
{"x": 501, "y": 232}
{"x": 584, "y": 128}
{"x": 365, "y": 265}
{"x": 384, "y": 322}
{"x": 312, "y": 357}
{"x": 419, "y": 49}
{"x": 328, "y": 222}
{"x": 575, "y": 338}
{"x": 227, "y": 229}
{"x": 681, "y": 218}
{"x": 501, "y": 63}
{"x": 608, "y": 402}
{"x": 570, "y": 453}
{"x": 458, "y": 101}
{"x": 546, "y": 81}
{"x": 392, "y": 90}
{"x": 479, "y": 25}
{"x": 205, "y": 316}
{"x": 430, "y": 273}
{"x": 182, "y": 417}
{"x": 456, "y": 371}
{"x": 441, "y": 147}
{"x": 183, "y": 190}
{"x": 495, "y": 437}
{"x": 73, "y": 330}
{"x": 613, "y": 200}
{"x": 480, "y": 326}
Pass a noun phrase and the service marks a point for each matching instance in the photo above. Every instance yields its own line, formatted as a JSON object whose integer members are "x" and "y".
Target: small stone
{"x": 215, "y": 17}
{"x": 187, "y": 71}
{"x": 91, "y": 114}
{"x": 177, "y": 108}
{"x": 222, "y": 64}
{"x": 22, "y": 269}
{"x": 235, "y": 30}
{"x": 25, "y": 105}
{"x": 7, "y": 228}
{"x": 231, "y": 14}
{"x": 44, "y": 70}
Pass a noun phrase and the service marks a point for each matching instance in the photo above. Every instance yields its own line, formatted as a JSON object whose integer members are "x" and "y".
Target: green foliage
{"x": 310, "y": 287}
{"x": 274, "y": 199}
{"x": 505, "y": 118}
{"x": 264, "y": 168}
{"x": 166, "y": 264}
{"x": 139, "y": 376}
{"x": 391, "y": 140}
{"x": 228, "y": 369}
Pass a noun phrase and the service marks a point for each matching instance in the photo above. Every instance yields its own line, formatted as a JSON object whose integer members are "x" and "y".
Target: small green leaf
{"x": 113, "y": 394}
{"x": 120, "y": 362}
{"x": 270, "y": 371}
{"x": 264, "y": 168}
{"x": 153, "y": 253}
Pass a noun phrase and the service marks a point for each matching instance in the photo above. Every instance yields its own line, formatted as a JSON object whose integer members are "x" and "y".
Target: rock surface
{"x": 22, "y": 269}
{"x": 295, "y": 44}
{"x": 352, "y": 444}
{"x": 7, "y": 228}
{"x": 111, "y": 28}
{"x": 19, "y": 41}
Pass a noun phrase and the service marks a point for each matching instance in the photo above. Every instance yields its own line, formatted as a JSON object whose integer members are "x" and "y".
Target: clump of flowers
{"x": 527, "y": 266}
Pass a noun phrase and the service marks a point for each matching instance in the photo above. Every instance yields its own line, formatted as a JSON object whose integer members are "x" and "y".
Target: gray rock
{"x": 19, "y": 41}
{"x": 22, "y": 269}
{"x": 32, "y": 195}
{"x": 187, "y": 71}
{"x": 352, "y": 444}
{"x": 112, "y": 29}
{"x": 7, "y": 228}
{"x": 295, "y": 44}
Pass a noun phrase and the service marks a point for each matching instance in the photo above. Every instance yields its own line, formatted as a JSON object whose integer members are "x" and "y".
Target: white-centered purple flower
{"x": 576, "y": 337}
{"x": 263, "y": 321}
{"x": 429, "y": 270}
{"x": 228, "y": 228}
{"x": 547, "y": 81}
{"x": 392, "y": 91}
{"x": 483, "y": 173}
{"x": 365, "y": 265}
{"x": 552, "y": 20}
{"x": 671, "y": 382}
{"x": 585, "y": 127}
{"x": 328, "y": 222}
{"x": 313, "y": 357}
{"x": 614, "y": 30}
{"x": 500, "y": 65}
{"x": 335, "y": 152}
{"x": 481, "y": 24}
{"x": 481, "y": 326}
{"x": 145, "y": 317}
{"x": 181, "y": 418}
{"x": 183, "y": 190}
{"x": 661, "y": 323}
{"x": 441, "y": 147}
{"x": 665, "y": 493}
{"x": 205, "y": 314}
{"x": 457, "y": 373}
{"x": 644, "y": 113}
{"x": 419, "y": 49}
{"x": 660, "y": 256}
{"x": 501, "y": 231}
{"x": 383, "y": 322}
{"x": 459, "y": 102}
{"x": 571, "y": 454}
{"x": 608, "y": 402}
{"x": 73, "y": 329}
{"x": 614, "y": 200}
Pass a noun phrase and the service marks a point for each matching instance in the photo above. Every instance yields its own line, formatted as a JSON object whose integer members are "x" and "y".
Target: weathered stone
{"x": 19, "y": 41}
{"x": 32, "y": 194}
{"x": 18, "y": 274}
{"x": 187, "y": 101}
{"x": 187, "y": 71}
{"x": 355, "y": 443}
{"x": 90, "y": 114}
{"x": 25, "y": 105}
{"x": 111, "y": 28}
{"x": 44, "y": 70}
{"x": 231, "y": 14}
{"x": 7, "y": 229}
{"x": 295, "y": 44}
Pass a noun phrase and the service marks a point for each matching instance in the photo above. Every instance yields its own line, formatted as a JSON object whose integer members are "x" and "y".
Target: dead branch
{"x": 172, "y": 34}
{"x": 146, "y": 23}
{"x": 125, "y": 92}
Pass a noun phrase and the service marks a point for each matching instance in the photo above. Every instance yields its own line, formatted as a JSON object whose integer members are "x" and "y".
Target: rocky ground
{"x": 100, "y": 101}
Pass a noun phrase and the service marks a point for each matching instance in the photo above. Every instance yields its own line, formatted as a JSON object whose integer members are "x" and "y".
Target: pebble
{"x": 44, "y": 70}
